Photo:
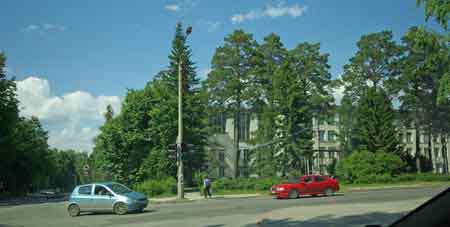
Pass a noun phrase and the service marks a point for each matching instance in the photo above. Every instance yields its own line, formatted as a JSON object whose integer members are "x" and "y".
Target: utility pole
{"x": 180, "y": 183}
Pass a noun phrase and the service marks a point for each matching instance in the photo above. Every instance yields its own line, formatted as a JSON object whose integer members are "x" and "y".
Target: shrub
{"x": 258, "y": 184}
{"x": 367, "y": 167}
{"x": 157, "y": 187}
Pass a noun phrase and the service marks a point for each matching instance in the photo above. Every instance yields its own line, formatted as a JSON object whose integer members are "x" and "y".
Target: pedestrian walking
{"x": 207, "y": 187}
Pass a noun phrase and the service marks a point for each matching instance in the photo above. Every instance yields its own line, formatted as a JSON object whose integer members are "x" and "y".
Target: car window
{"x": 319, "y": 178}
{"x": 307, "y": 179}
{"x": 85, "y": 190}
{"x": 118, "y": 188}
{"x": 100, "y": 190}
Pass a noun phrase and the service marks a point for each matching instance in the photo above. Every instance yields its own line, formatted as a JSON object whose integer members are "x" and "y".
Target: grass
{"x": 374, "y": 186}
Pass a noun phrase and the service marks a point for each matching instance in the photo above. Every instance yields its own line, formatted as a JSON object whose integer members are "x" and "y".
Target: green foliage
{"x": 258, "y": 184}
{"x": 366, "y": 167}
{"x": 132, "y": 145}
{"x": 150, "y": 188}
{"x": 440, "y": 9}
{"x": 229, "y": 84}
{"x": 347, "y": 121}
{"x": 376, "y": 61}
{"x": 375, "y": 129}
{"x": 423, "y": 69}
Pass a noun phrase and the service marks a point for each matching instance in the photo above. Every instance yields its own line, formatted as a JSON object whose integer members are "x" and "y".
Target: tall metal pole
{"x": 180, "y": 131}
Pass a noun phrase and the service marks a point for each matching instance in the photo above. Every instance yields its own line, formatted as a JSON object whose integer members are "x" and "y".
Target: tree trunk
{"x": 237, "y": 124}
{"x": 444, "y": 154}
{"x": 417, "y": 142}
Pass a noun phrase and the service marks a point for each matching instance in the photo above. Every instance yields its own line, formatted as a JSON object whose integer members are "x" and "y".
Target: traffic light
{"x": 187, "y": 148}
{"x": 172, "y": 151}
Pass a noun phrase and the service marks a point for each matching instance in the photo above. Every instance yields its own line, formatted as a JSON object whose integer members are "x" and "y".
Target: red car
{"x": 307, "y": 185}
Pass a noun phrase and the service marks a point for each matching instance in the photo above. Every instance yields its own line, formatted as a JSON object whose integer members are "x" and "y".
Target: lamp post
{"x": 180, "y": 183}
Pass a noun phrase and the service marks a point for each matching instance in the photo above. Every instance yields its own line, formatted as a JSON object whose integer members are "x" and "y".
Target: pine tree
{"x": 230, "y": 81}
{"x": 375, "y": 130}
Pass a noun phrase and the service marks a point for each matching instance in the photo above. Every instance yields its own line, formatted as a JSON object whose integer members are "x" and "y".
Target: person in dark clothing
{"x": 207, "y": 187}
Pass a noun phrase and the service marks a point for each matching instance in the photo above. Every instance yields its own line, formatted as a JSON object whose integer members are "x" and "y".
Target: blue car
{"x": 108, "y": 196}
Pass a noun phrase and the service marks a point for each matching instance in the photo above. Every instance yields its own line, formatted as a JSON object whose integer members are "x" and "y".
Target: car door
{"x": 307, "y": 183}
{"x": 84, "y": 197}
{"x": 320, "y": 184}
{"x": 103, "y": 198}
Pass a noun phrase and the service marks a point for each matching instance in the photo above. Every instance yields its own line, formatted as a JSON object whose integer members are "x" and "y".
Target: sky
{"x": 72, "y": 58}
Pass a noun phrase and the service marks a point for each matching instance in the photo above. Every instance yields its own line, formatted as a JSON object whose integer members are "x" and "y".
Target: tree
{"x": 374, "y": 64}
{"x": 9, "y": 115}
{"x": 109, "y": 114}
{"x": 440, "y": 9}
{"x": 375, "y": 130}
{"x": 425, "y": 62}
{"x": 30, "y": 159}
{"x": 194, "y": 102}
{"x": 229, "y": 81}
{"x": 270, "y": 56}
{"x": 346, "y": 111}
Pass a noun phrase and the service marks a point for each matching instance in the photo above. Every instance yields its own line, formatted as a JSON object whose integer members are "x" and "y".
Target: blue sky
{"x": 101, "y": 48}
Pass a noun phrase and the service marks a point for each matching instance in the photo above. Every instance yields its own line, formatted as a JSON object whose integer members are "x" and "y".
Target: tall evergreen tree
{"x": 424, "y": 66}
{"x": 374, "y": 64}
{"x": 270, "y": 54}
{"x": 346, "y": 111}
{"x": 375, "y": 130}
{"x": 229, "y": 82}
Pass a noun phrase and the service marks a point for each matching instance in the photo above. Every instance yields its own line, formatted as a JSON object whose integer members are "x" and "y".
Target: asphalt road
{"x": 231, "y": 212}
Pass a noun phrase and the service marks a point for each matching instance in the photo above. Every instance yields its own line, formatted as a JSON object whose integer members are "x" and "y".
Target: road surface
{"x": 350, "y": 209}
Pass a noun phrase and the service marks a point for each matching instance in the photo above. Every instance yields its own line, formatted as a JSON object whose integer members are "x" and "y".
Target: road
{"x": 351, "y": 209}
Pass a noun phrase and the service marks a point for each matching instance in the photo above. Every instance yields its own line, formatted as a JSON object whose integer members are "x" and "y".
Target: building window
{"x": 408, "y": 137}
{"x": 436, "y": 152}
{"x": 218, "y": 122}
{"x": 322, "y": 136}
{"x": 331, "y": 135}
{"x": 424, "y": 139}
{"x": 244, "y": 127}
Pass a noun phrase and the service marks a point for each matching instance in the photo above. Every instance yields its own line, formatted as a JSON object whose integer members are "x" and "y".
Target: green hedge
{"x": 256, "y": 184}
{"x": 152, "y": 188}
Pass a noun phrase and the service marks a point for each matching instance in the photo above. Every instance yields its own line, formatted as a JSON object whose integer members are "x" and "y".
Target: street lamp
{"x": 180, "y": 124}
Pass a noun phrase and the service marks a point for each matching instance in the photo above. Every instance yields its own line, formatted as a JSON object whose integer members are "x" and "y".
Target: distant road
{"x": 351, "y": 209}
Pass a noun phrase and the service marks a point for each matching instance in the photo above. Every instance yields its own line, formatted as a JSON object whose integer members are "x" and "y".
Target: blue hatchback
{"x": 108, "y": 196}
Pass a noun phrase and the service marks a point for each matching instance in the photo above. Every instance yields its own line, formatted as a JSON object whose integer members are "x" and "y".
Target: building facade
{"x": 326, "y": 147}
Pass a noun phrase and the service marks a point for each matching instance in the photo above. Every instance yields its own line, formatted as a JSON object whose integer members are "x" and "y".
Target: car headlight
{"x": 280, "y": 189}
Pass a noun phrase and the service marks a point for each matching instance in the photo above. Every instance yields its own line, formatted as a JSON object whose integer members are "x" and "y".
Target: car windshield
{"x": 118, "y": 188}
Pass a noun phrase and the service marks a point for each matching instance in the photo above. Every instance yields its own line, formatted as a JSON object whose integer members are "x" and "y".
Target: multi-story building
{"x": 325, "y": 149}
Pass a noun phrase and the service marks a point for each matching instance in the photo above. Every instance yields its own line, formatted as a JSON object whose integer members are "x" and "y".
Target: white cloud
{"x": 72, "y": 119}
{"x": 181, "y": 5}
{"x": 44, "y": 28}
{"x": 279, "y": 10}
{"x": 173, "y": 7}
{"x": 203, "y": 73}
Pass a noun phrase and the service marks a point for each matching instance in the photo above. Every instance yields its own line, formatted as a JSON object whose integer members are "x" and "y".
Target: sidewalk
{"x": 195, "y": 196}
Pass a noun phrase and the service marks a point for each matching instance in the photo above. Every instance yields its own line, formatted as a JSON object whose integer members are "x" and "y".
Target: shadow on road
{"x": 110, "y": 213}
{"x": 31, "y": 200}
{"x": 331, "y": 220}
{"x": 313, "y": 196}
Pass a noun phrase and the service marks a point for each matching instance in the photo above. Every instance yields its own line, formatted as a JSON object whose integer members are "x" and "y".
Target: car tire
{"x": 120, "y": 208}
{"x": 293, "y": 194}
{"x": 74, "y": 210}
{"x": 329, "y": 192}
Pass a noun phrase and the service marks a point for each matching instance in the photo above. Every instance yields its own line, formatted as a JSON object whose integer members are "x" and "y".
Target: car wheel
{"x": 293, "y": 194}
{"x": 120, "y": 208}
{"x": 74, "y": 210}
{"x": 329, "y": 192}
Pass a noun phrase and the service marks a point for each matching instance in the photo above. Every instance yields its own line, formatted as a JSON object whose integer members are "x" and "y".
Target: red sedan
{"x": 307, "y": 185}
